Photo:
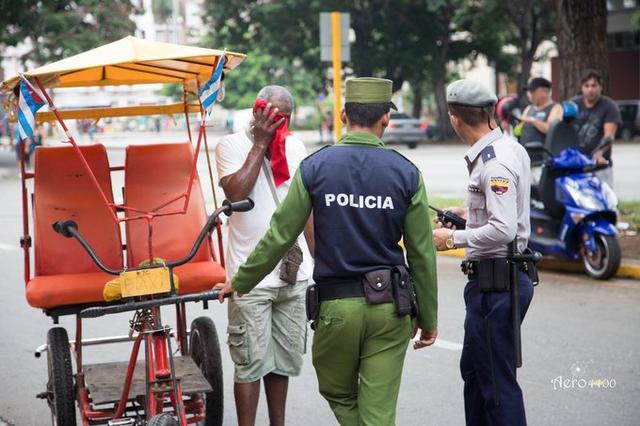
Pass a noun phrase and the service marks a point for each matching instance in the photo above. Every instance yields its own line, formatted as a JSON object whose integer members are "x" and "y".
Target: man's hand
{"x": 427, "y": 338}
{"x": 599, "y": 157}
{"x": 440, "y": 236}
{"x": 223, "y": 289}
{"x": 264, "y": 125}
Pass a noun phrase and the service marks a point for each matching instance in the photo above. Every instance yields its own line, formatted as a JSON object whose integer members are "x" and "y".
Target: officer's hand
{"x": 440, "y": 236}
{"x": 427, "y": 338}
{"x": 265, "y": 125}
{"x": 223, "y": 289}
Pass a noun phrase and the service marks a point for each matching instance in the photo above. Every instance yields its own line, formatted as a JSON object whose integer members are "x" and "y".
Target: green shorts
{"x": 267, "y": 332}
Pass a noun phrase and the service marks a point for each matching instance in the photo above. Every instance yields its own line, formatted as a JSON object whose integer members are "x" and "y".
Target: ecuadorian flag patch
{"x": 499, "y": 185}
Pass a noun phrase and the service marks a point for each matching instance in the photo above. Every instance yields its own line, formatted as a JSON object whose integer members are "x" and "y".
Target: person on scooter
{"x": 542, "y": 112}
{"x": 598, "y": 119}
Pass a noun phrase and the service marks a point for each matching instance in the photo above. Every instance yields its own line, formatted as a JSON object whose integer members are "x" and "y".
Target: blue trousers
{"x": 492, "y": 395}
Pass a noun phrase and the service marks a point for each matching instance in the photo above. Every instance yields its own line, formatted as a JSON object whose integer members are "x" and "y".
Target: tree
{"x": 59, "y": 28}
{"x": 532, "y": 23}
{"x": 582, "y": 42}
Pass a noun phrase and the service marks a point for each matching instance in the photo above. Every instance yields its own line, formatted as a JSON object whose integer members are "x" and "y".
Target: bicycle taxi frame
{"x": 167, "y": 258}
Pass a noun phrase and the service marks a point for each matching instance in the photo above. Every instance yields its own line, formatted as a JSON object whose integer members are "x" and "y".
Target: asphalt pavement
{"x": 581, "y": 337}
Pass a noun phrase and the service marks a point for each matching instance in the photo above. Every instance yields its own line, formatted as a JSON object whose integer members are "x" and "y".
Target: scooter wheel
{"x": 604, "y": 262}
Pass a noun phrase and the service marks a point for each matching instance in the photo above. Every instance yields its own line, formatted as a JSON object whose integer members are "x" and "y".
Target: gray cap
{"x": 471, "y": 93}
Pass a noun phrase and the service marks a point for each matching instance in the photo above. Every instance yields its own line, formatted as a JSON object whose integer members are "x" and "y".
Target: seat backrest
{"x": 546, "y": 190}
{"x": 561, "y": 136}
{"x": 155, "y": 174}
{"x": 63, "y": 190}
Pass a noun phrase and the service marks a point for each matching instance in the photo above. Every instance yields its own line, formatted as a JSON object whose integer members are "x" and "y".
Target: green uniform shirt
{"x": 291, "y": 216}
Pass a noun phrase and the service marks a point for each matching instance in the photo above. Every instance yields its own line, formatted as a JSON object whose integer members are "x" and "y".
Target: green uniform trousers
{"x": 358, "y": 354}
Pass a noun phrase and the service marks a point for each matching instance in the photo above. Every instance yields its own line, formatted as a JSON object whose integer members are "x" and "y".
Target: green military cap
{"x": 369, "y": 90}
{"x": 471, "y": 93}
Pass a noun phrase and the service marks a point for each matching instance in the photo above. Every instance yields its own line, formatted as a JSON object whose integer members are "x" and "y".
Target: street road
{"x": 576, "y": 329}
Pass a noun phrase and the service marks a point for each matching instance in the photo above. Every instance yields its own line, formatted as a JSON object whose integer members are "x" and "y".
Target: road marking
{"x": 445, "y": 344}
{"x": 8, "y": 247}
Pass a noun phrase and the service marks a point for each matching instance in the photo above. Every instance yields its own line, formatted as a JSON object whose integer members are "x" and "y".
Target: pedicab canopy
{"x": 128, "y": 61}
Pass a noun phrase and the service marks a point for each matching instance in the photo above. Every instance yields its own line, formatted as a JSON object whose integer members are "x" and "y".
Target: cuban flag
{"x": 29, "y": 102}
{"x": 209, "y": 92}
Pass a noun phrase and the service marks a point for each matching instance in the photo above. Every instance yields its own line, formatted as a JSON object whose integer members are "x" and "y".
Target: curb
{"x": 628, "y": 268}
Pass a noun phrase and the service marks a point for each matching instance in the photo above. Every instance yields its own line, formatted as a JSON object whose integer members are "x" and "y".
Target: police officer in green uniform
{"x": 365, "y": 198}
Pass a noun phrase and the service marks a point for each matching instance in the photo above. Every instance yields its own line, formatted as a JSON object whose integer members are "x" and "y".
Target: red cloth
{"x": 277, "y": 150}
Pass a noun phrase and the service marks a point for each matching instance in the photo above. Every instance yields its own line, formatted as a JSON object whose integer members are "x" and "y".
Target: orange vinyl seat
{"x": 64, "y": 272}
{"x": 155, "y": 174}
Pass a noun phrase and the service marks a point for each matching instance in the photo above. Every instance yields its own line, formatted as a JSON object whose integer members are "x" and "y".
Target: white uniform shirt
{"x": 498, "y": 197}
{"x": 246, "y": 229}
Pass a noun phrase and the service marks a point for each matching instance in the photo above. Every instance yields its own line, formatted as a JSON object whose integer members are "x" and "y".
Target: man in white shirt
{"x": 267, "y": 328}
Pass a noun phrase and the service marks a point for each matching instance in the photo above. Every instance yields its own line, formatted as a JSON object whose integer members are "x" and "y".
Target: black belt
{"x": 340, "y": 290}
{"x": 470, "y": 268}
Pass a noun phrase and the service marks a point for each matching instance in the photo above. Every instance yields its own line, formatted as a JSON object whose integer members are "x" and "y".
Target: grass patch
{"x": 630, "y": 212}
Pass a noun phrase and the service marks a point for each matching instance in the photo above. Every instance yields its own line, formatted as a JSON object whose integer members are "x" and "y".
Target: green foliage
{"x": 60, "y": 28}
{"x": 261, "y": 69}
{"x": 630, "y": 212}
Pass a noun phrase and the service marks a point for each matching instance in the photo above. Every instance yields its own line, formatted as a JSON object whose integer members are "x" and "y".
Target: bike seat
{"x": 64, "y": 272}
{"x": 154, "y": 175}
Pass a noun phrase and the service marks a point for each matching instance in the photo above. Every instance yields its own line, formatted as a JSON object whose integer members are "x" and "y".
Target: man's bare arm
{"x": 238, "y": 185}
{"x": 554, "y": 115}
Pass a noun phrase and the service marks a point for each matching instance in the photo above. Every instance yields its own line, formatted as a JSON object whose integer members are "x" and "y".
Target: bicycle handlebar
{"x": 69, "y": 229}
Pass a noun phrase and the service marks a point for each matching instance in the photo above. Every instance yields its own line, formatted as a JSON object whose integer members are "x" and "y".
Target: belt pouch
{"x": 404, "y": 293}
{"x": 377, "y": 287}
{"x": 493, "y": 275}
{"x": 312, "y": 302}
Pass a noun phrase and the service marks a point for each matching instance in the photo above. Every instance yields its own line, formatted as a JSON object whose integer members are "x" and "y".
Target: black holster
{"x": 312, "y": 302}
{"x": 404, "y": 294}
{"x": 531, "y": 268}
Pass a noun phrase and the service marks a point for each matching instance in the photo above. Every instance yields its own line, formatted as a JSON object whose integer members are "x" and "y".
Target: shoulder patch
{"x": 499, "y": 185}
{"x": 488, "y": 153}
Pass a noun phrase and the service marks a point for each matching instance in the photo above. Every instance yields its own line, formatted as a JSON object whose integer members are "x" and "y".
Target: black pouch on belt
{"x": 312, "y": 302}
{"x": 377, "y": 287}
{"x": 493, "y": 275}
{"x": 404, "y": 293}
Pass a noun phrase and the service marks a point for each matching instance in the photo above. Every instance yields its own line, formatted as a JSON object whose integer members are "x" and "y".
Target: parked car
{"x": 404, "y": 129}
{"x": 630, "y": 113}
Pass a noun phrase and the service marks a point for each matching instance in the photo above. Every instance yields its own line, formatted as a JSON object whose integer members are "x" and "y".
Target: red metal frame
{"x": 158, "y": 367}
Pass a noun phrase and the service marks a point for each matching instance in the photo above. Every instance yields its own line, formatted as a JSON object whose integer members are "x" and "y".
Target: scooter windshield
{"x": 572, "y": 159}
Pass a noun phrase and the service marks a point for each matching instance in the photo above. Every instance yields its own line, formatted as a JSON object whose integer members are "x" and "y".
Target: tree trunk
{"x": 582, "y": 42}
{"x": 416, "y": 110}
{"x": 439, "y": 89}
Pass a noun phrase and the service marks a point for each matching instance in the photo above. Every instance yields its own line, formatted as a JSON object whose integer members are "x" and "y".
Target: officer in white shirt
{"x": 498, "y": 211}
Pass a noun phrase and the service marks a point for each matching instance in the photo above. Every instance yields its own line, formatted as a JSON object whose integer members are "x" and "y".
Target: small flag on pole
{"x": 209, "y": 92}
{"x": 29, "y": 103}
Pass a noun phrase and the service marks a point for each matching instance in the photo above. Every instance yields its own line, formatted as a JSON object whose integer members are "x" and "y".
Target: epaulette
{"x": 315, "y": 152}
{"x": 401, "y": 155}
{"x": 488, "y": 153}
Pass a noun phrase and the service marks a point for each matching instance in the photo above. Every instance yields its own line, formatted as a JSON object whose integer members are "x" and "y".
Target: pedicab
{"x": 94, "y": 256}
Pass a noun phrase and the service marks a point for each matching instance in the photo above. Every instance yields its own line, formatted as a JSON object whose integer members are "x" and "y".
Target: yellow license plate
{"x": 145, "y": 281}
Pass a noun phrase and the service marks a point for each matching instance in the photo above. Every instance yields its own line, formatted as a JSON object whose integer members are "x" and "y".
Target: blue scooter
{"x": 573, "y": 214}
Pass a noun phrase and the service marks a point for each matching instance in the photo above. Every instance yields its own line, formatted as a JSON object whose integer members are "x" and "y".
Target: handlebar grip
{"x": 63, "y": 227}
{"x": 238, "y": 206}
